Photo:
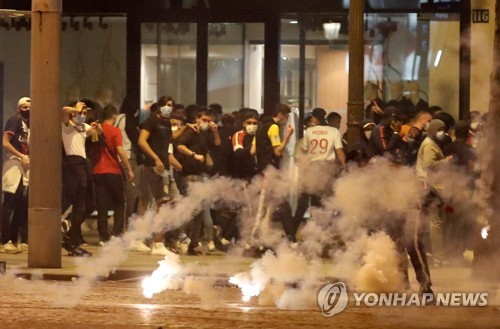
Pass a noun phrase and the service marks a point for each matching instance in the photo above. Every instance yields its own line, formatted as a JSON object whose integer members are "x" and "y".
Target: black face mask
{"x": 25, "y": 114}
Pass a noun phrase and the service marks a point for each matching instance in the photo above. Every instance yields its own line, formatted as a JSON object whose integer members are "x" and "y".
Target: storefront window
{"x": 168, "y": 64}
{"x": 235, "y": 65}
{"x": 419, "y": 54}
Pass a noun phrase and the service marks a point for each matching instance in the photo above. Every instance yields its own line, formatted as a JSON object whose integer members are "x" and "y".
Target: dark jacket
{"x": 265, "y": 151}
{"x": 385, "y": 142}
{"x": 242, "y": 163}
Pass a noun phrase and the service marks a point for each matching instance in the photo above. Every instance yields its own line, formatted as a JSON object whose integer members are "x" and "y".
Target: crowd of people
{"x": 127, "y": 163}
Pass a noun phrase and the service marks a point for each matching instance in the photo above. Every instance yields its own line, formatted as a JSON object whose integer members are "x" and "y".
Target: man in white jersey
{"x": 322, "y": 146}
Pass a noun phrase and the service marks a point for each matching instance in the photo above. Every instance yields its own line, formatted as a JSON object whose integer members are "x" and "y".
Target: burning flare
{"x": 166, "y": 276}
{"x": 248, "y": 288}
{"x": 485, "y": 231}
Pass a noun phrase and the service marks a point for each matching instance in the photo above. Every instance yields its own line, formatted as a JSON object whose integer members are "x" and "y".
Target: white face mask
{"x": 80, "y": 119}
{"x": 204, "y": 126}
{"x": 474, "y": 125}
{"x": 251, "y": 129}
{"x": 368, "y": 134}
{"x": 426, "y": 125}
{"x": 165, "y": 111}
{"x": 440, "y": 135}
{"x": 175, "y": 128}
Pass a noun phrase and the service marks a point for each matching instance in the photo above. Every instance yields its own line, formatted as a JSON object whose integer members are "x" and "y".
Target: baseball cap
{"x": 367, "y": 123}
{"x": 23, "y": 100}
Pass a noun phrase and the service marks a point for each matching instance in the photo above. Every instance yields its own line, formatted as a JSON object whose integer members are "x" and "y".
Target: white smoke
{"x": 373, "y": 198}
{"x": 380, "y": 265}
{"x": 286, "y": 279}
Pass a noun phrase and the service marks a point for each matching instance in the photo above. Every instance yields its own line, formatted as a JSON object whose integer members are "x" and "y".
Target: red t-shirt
{"x": 104, "y": 162}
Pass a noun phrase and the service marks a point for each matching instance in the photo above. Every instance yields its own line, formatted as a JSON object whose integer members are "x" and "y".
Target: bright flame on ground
{"x": 485, "y": 231}
{"x": 166, "y": 276}
{"x": 248, "y": 288}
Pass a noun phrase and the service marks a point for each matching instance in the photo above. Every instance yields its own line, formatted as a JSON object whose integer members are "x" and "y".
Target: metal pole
{"x": 44, "y": 219}
{"x": 465, "y": 60}
{"x": 272, "y": 60}
{"x": 302, "y": 76}
{"x": 355, "y": 111}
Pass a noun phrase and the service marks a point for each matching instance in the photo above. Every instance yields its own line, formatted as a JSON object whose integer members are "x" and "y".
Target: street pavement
{"x": 117, "y": 301}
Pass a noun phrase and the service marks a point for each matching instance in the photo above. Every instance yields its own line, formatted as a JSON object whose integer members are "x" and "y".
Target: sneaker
{"x": 425, "y": 288}
{"x": 173, "y": 249}
{"x": 101, "y": 243}
{"x": 79, "y": 252}
{"x": 9, "y": 248}
{"x": 139, "y": 246}
{"x": 22, "y": 246}
{"x": 160, "y": 249}
{"x": 211, "y": 246}
{"x": 65, "y": 226}
{"x": 182, "y": 246}
{"x": 195, "y": 251}
{"x": 225, "y": 242}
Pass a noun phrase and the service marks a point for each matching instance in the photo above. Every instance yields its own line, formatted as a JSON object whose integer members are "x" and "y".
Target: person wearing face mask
{"x": 269, "y": 145}
{"x": 76, "y": 172}
{"x": 155, "y": 140}
{"x": 430, "y": 156}
{"x": 243, "y": 165}
{"x": 476, "y": 128}
{"x": 416, "y": 135}
{"x": 449, "y": 124}
{"x": 269, "y": 151}
{"x": 14, "y": 219}
{"x": 430, "y": 159}
{"x": 192, "y": 149}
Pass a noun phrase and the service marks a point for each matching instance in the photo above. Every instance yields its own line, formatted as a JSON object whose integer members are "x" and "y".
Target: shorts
{"x": 152, "y": 186}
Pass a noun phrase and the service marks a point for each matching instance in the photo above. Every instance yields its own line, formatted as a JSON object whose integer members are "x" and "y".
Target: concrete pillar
{"x": 355, "y": 104}
{"x": 44, "y": 215}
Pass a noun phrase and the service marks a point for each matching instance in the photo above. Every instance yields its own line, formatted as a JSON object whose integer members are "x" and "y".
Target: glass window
{"x": 408, "y": 58}
{"x": 416, "y": 57}
{"x": 235, "y": 65}
{"x": 168, "y": 62}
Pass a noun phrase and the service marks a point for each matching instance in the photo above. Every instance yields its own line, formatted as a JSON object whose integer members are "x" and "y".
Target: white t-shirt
{"x": 73, "y": 138}
{"x": 126, "y": 143}
{"x": 320, "y": 143}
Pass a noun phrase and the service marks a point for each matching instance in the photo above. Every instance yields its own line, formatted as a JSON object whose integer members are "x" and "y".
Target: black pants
{"x": 75, "y": 182}
{"x": 229, "y": 223}
{"x": 109, "y": 195}
{"x": 194, "y": 227}
{"x": 411, "y": 241}
{"x": 302, "y": 205}
{"x": 15, "y": 215}
{"x": 416, "y": 251}
{"x": 283, "y": 214}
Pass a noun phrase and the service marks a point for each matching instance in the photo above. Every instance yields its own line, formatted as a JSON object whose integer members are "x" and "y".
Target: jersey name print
{"x": 320, "y": 143}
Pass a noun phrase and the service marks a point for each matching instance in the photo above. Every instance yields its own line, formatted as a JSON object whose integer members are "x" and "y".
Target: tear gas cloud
{"x": 365, "y": 200}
